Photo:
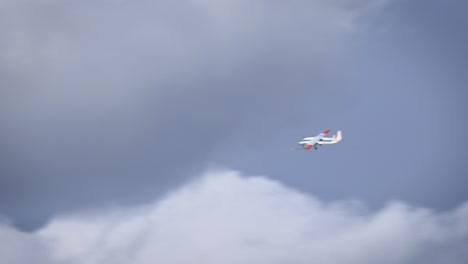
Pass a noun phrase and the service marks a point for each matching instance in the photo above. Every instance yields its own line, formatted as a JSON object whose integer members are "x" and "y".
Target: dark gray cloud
{"x": 113, "y": 101}
{"x": 225, "y": 217}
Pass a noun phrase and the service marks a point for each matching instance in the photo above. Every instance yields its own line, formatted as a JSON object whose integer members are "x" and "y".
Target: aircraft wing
{"x": 316, "y": 139}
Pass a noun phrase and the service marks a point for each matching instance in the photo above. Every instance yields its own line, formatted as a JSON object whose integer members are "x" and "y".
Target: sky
{"x": 129, "y": 127}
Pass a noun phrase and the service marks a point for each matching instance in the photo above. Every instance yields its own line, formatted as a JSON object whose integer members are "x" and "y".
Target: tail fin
{"x": 338, "y": 136}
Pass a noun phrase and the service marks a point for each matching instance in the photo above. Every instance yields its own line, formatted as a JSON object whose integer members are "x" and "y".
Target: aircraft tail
{"x": 337, "y": 137}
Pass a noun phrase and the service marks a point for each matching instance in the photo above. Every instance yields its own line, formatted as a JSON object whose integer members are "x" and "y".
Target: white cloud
{"x": 224, "y": 217}
{"x": 18, "y": 247}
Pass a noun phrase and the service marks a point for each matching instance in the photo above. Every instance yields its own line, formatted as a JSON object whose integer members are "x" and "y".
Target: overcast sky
{"x": 109, "y": 108}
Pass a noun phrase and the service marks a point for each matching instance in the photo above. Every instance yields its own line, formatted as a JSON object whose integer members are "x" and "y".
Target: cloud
{"x": 116, "y": 100}
{"x": 229, "y": 218}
